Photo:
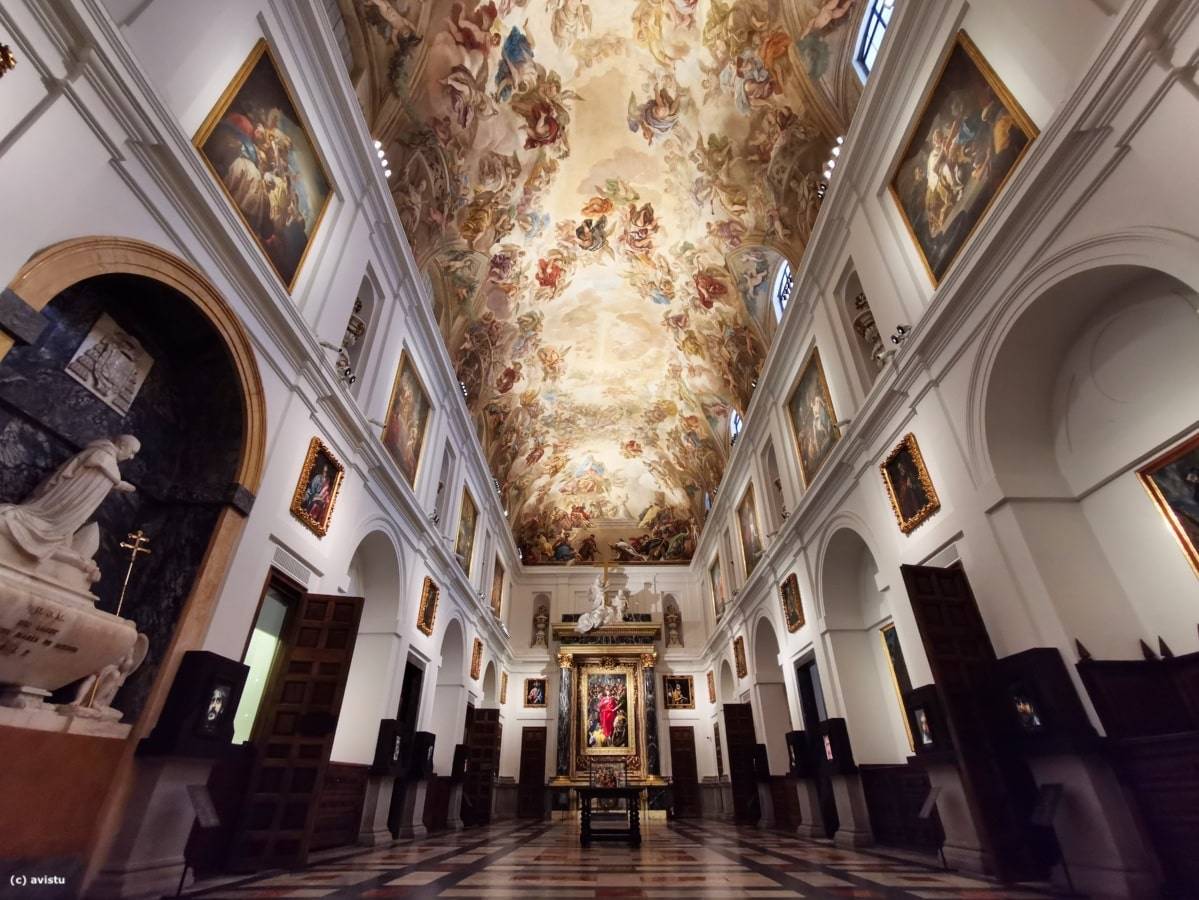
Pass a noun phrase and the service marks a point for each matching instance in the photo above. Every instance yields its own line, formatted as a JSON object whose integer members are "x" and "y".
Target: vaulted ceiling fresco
{"x": 599, "y": 193}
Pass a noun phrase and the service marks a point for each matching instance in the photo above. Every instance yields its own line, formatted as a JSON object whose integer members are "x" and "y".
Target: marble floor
{"x": 693, "y": 859}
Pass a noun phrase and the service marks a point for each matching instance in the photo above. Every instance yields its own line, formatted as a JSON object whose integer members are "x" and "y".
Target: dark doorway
{"x": 684, "y": 773}
{"x": 482, "y": 763}
{"x": 811, "y": 705}
{"x": 406, "y": 716}
{"x": 530, "y": 798}
{"x": 739, "y": 730}
{"x": 293, "y": 732}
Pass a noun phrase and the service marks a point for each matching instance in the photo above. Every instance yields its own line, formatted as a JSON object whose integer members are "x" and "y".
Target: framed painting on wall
{"x": 497, "y": 588}
{"x": 503, "y": 688}
{"x": 607, "y": 703}
{"x": 747, "y": 524}
{"x": 739, "y": 657}
{"x": 913, "y": 497}
{"x": 967, "y": 139}
{"x": 256, "y": 144}
{"x": 711, "y": 686}
{"x": 813, "y": 421}
{"x": 718, "y": 600}
{"x": 535, "y": 693}
{"x": 678, "y": 692}
{"x": 792, "y": 608}
{"x": 1172, "y": 481}
{"x": 464, "y": 547}
{"x": 427, "y": 614}
{"x": 407, "y": 416}
{"x": 316, "y": 491}
{"x": 476, "y": 659}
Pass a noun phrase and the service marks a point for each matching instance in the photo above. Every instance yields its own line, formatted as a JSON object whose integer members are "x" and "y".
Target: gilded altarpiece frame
{"x": 601, "y": 673}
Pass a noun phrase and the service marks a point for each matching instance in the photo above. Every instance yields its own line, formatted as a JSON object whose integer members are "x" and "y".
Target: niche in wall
{"x": 359, "y": 331}
{"x": 866, "y": 344}
{"x": 776, "y": 504}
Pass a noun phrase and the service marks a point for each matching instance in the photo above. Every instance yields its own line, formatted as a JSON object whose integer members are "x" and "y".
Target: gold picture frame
{"x": 819, "y": 415}
{"x": 909, "y": 487}
{"x": 497, "y": 588}
{"x": 407, "y": 421}
{"x": 316, "y": 490}
{"x": 711, "y": 686}
{"x": 965, "y": 85}
{"x": 241, "y": 151}
{"x": 535, "y": 688}
{"x": 476, "y": 659}
{"x": 678, "y": 692}
{"x": 716, "y": 578}
{"x": 1171, "y": 480}
{"x": 426, "y": 615}
{"x": 468, "y": 521}
{"x": 739, "y": 656}
{"x": 793, "y": 616}
{"x": 749, "y": 528}
{"x": 503, "y": 688}
{"x": 605, "y": 674}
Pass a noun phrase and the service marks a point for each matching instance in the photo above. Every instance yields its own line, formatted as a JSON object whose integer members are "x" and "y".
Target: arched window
{"x": 783, "y": 283}
{"x": 735, "y": 425}
{"x": 874, "y": 26}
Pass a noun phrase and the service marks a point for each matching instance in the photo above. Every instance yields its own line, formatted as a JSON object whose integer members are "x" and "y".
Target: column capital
{"x": 649, "y": 660}
{"x": 565, "y": 660}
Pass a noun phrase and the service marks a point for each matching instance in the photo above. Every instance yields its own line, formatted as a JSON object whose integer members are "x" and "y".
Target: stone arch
{"x": 728, "y": 684}
{"x": 769, "y": 694}
{"x": 448, "y": 710}
{"x": 491, "y": 697}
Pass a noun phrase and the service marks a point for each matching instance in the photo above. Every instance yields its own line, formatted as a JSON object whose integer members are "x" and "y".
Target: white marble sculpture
{"x": 94, "y": 696}
{"x": 602, "y": 612}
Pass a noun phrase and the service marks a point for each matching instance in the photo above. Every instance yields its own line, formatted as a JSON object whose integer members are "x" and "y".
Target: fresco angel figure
{"x": 640, "y": 227}
{"x": 592, "y": 235}
{"x": 658, "y": 115}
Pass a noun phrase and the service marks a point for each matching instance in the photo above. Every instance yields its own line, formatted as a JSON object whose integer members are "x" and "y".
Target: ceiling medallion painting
{"x": 599, "y": 195}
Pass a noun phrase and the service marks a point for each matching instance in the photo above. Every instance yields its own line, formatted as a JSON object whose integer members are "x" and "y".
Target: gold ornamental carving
{"x": 8, "y": 60}
{"x": 565, "y": 660}
{"x": 649, "y": 660}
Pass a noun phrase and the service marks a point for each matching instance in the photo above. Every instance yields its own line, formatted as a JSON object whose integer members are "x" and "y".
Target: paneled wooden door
{"x": 530, "y": 798}
{"x": 293, "y": 734}
{"x": 684, "y": 773}
{"x": 739, "y": 730}
{"x": 482, "y": 764}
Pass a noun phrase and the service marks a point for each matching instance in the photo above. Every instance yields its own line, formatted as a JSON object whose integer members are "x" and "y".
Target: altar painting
{"x": 607, "y": 712}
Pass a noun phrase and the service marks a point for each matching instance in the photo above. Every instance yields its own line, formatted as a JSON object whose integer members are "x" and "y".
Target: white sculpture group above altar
{"x": 51, "y": 633}
{"x": 602, "y": 611}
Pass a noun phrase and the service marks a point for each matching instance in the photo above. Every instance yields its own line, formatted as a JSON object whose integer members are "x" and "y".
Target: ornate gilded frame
{"x": 429, "y": 596}
{"x": 690, "y": 680}
{"x": 544, "y": 691}
{"x": 796, "y": 622}
{"x": 711, "y": 686}
{"x": 750, "y": 498}
{"x": 813, "y": 359}
{"x": 1145, "y": 475}
{"x": 933, "y": 502}
{"x": 503, "y": 688}
{"x": 476, "y": 659}
{"x": 318, "y": 527}
{"x": 716, "y": 582}
{"x": 406, "y": 360}
{"x": 739, "y": 656}
{"x": 961, "y": 39}
{"x": 213, "y": 119}
{"x": 583, "y": 671}
{"x": 497, "y": 587}
{"x": 467, "y": 560}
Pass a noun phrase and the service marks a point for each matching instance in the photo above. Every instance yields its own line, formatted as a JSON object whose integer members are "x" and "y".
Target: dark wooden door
{"x": 339, "y": 812}
{"x": 530, "y": 798}
{"x": 998, "y": 784}
{"x": 684, "y": 773}
{"x": 811, "y": 704}
{"x": 294, "y": 734}
{"x": 739, "y": 731}
{"x": 482, "y": 763}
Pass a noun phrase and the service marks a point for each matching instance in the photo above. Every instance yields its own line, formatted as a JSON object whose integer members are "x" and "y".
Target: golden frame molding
{"x": 666, "y": 704}
{"x": 633, "y": 707}
{"x": 813, "y": 358}
{"x": 933, "y": 503}
{"x": 319, "y": 527}
{"x": 792, "y": 581}
{"x": 429, "y": 595}
{"x": 476, "y": 660}
{"x": 711, "y": 686}
{"x": 739, "y": 656}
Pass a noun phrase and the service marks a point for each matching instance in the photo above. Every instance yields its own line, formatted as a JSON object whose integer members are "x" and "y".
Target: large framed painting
{"x": 467, "y": 520}
{"x": 256, "y": 144}
{"x": 407, "y": 417}
{"x": 813, "y": 421}
{"x": 316, "y": 491}
{"x": 739, "y": 657}
{"x": 476, "y": 659}
{"x": 718, "y": 599}
{"x": 792, "y": 608}
{"x": 913, "y": 497}
{"x": 607, "y": 705}
{"x": 497, "y": 588}
{"x": 1172, "y": 480}
{"x": 535, "y": 693}
{"x": 751, "y": 536}
{"x": 678, "y": 691}
{"x": 427, "y": 614}
{"x": 968, "y": 139}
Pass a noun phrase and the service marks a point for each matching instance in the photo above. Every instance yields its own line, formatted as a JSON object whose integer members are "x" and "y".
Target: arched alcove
{"x": 770, "y": 696}
{"x": 1095, "y": 378}
{"x": 449, "y": 697}
{"x": 728, "y": 686}
{"x": 490, "y": 687}
{"x": 375, "y": 575}
{"x": 855, "y": 612}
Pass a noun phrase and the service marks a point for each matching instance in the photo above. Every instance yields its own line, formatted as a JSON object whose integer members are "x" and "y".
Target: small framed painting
{"x": 464, "y": 547}
{"x": 497, "y": 588}
{"x": 503, "y": 688}
{"x": 792, "y": 608}
{"x": 967, "y": 139}
{"x": 751, "y": 536}
{"x": 476, "y": 659}
{"x": 1172, "y": 481}
{"x": 427, "y": 614}
{"x": 407, "y": 415}
{"x": 711, "y": 686}
{"x": 717, "y": 582}
{"x": 534, "y": 693}
{"x": 256, "y": 145}
{"x": 316, "y": 491}
{"x": 813, "y": 420}
{"x": 678, "y": 692}
{"x": 913, "y": 497}
{"x": 739, "y": 657}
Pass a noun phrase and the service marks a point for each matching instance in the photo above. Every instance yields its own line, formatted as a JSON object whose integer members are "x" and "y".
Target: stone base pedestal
{"x": 410, "y": 816}
{"x": 45, "y": 717}
{"x": 146, "y": 859}
{"x": 503, "y": 798}
{"x": 963, "y": 847}
{"x": 373, "y": 830}
{"x": 766, "y": 805}
{"x": 854, "y": 829}
{"x": 811, "y": 819}
{"x": 453, "y": 816}
{"x": 710, "y": 797}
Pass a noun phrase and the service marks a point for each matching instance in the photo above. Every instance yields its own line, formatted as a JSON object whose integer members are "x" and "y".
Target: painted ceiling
{"x": 599, "y": 194}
